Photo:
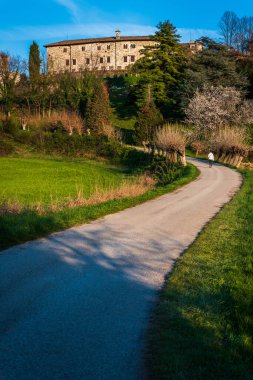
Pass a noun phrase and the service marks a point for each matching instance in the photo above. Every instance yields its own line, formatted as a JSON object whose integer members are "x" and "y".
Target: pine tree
{"x": 98, "y": 109}
{"x": 148, "y": 119}
{"x": 162, "y": 64}
{"x": 34, "y": 61}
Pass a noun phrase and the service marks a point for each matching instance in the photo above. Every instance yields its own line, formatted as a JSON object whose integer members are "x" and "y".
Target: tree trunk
{"x": 222, "y": 157}
{"x": 183, "y": 159}
{"x": 239, "y": 161}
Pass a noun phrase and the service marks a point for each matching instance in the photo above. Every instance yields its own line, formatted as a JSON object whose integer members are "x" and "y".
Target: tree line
{"x": 237, "y": 32}
{"x": 209, "y": 92}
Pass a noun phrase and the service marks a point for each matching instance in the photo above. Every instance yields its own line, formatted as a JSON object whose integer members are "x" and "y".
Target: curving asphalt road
{"x": 75, "y": 305}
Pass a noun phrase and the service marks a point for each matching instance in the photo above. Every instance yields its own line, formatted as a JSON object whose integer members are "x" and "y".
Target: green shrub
{"x": 111, "y": 149}
{"x": 12, "y": 126}
{"x": 6, "y": 148}
{"x": 164, "y": 172}
{"x": 135, "y": 159}
{"x": 250, "y": 133}
{"x": 24, "y": 137}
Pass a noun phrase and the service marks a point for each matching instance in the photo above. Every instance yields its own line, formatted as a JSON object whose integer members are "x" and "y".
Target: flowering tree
{"x": 213, "y": 108}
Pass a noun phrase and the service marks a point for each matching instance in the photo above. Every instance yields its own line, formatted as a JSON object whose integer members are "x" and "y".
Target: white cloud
{"x": 65, "y": 31}
{"x": 71, "y": 7}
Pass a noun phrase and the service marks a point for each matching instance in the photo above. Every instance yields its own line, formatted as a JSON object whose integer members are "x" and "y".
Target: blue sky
{"x": 53, "y": 20}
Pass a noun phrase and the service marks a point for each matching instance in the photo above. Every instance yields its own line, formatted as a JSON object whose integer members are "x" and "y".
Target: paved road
{"x": 75, "y": 305}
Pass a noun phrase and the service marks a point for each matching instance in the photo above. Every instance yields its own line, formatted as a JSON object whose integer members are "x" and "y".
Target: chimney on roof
{"x": 117, "y": 34}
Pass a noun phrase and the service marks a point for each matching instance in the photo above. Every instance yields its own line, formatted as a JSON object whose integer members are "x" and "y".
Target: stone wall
{"x": 116, "y": 55}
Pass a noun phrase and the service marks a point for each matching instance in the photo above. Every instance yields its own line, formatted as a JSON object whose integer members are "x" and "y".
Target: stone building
{"x": 101, "y": 54}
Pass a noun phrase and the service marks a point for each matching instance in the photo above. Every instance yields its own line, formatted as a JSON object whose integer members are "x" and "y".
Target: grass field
{"x": 30, "y": 180}
{"x": 26, "y": 225}
{"x": 202, "y": 327}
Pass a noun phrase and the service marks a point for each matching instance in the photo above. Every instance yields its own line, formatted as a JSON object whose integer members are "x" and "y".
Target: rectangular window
{"x": 83, "y": 48}
{"x": 133, "y": 46}
{"x": 132, "y": 58}
{"x": 101, "y": 60}
{"x": 125, "y": 46}
{"x": 74, "y": 62}
{"x": 87, "y": 61}
{"x": 108, "y": 47}
{"x": 67, "y": 62}
{"x": 125, "y": 58}
{"x": 99, "y": 47}
{"x": 65, "y": 50}
{"x": 108, "y": 59}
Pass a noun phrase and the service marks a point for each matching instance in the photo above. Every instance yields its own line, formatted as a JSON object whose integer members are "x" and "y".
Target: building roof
{"x": 98, "y": 40}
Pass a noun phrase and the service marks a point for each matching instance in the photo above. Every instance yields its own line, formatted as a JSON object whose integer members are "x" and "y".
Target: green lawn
{"x": 29, "y": 224}
{"x": 31, "y": 180}
{"x": 202, "y": 327}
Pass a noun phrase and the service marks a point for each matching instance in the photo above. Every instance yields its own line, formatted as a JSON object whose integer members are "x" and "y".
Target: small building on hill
{"x": 113, "y": 54}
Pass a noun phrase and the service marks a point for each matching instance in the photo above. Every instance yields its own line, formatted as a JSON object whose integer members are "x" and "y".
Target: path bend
{"x": 75, "y": 305}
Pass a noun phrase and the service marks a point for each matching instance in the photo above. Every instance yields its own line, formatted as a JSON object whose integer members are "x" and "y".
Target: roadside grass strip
{"x": 202, "y": 327}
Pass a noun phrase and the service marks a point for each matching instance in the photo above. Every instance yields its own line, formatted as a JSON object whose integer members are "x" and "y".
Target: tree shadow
{"x": 76, "y": 305}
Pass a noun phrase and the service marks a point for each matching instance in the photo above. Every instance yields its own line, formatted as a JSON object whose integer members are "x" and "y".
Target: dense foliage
{"x": 214, "y": 66}
{"x": 161, "y": 66}
{"x": 98, "y": 109}
{"x": 148, "y": 119}
{"x": 162, "y": 85}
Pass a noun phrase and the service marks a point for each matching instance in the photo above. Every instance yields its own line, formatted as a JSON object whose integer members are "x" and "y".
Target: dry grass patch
{"x": 231, "y": 145}
{"x": 128, "y": 188}
{"x": 172, "y": 140}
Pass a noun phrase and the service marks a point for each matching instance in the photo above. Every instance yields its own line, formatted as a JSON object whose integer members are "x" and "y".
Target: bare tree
{"x": 236, "y": 32}
{"x": 241, "y": 41}
{"x": 11, "y": 69}
{"x": 228, "y": 27}
{"x": 70, "y": 120}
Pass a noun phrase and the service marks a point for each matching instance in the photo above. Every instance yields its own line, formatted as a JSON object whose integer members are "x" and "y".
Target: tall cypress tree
{"x": 34, "y": 61}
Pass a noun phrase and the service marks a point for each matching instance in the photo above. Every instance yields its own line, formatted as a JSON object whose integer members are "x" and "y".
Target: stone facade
{"x": 100, "y": 54}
